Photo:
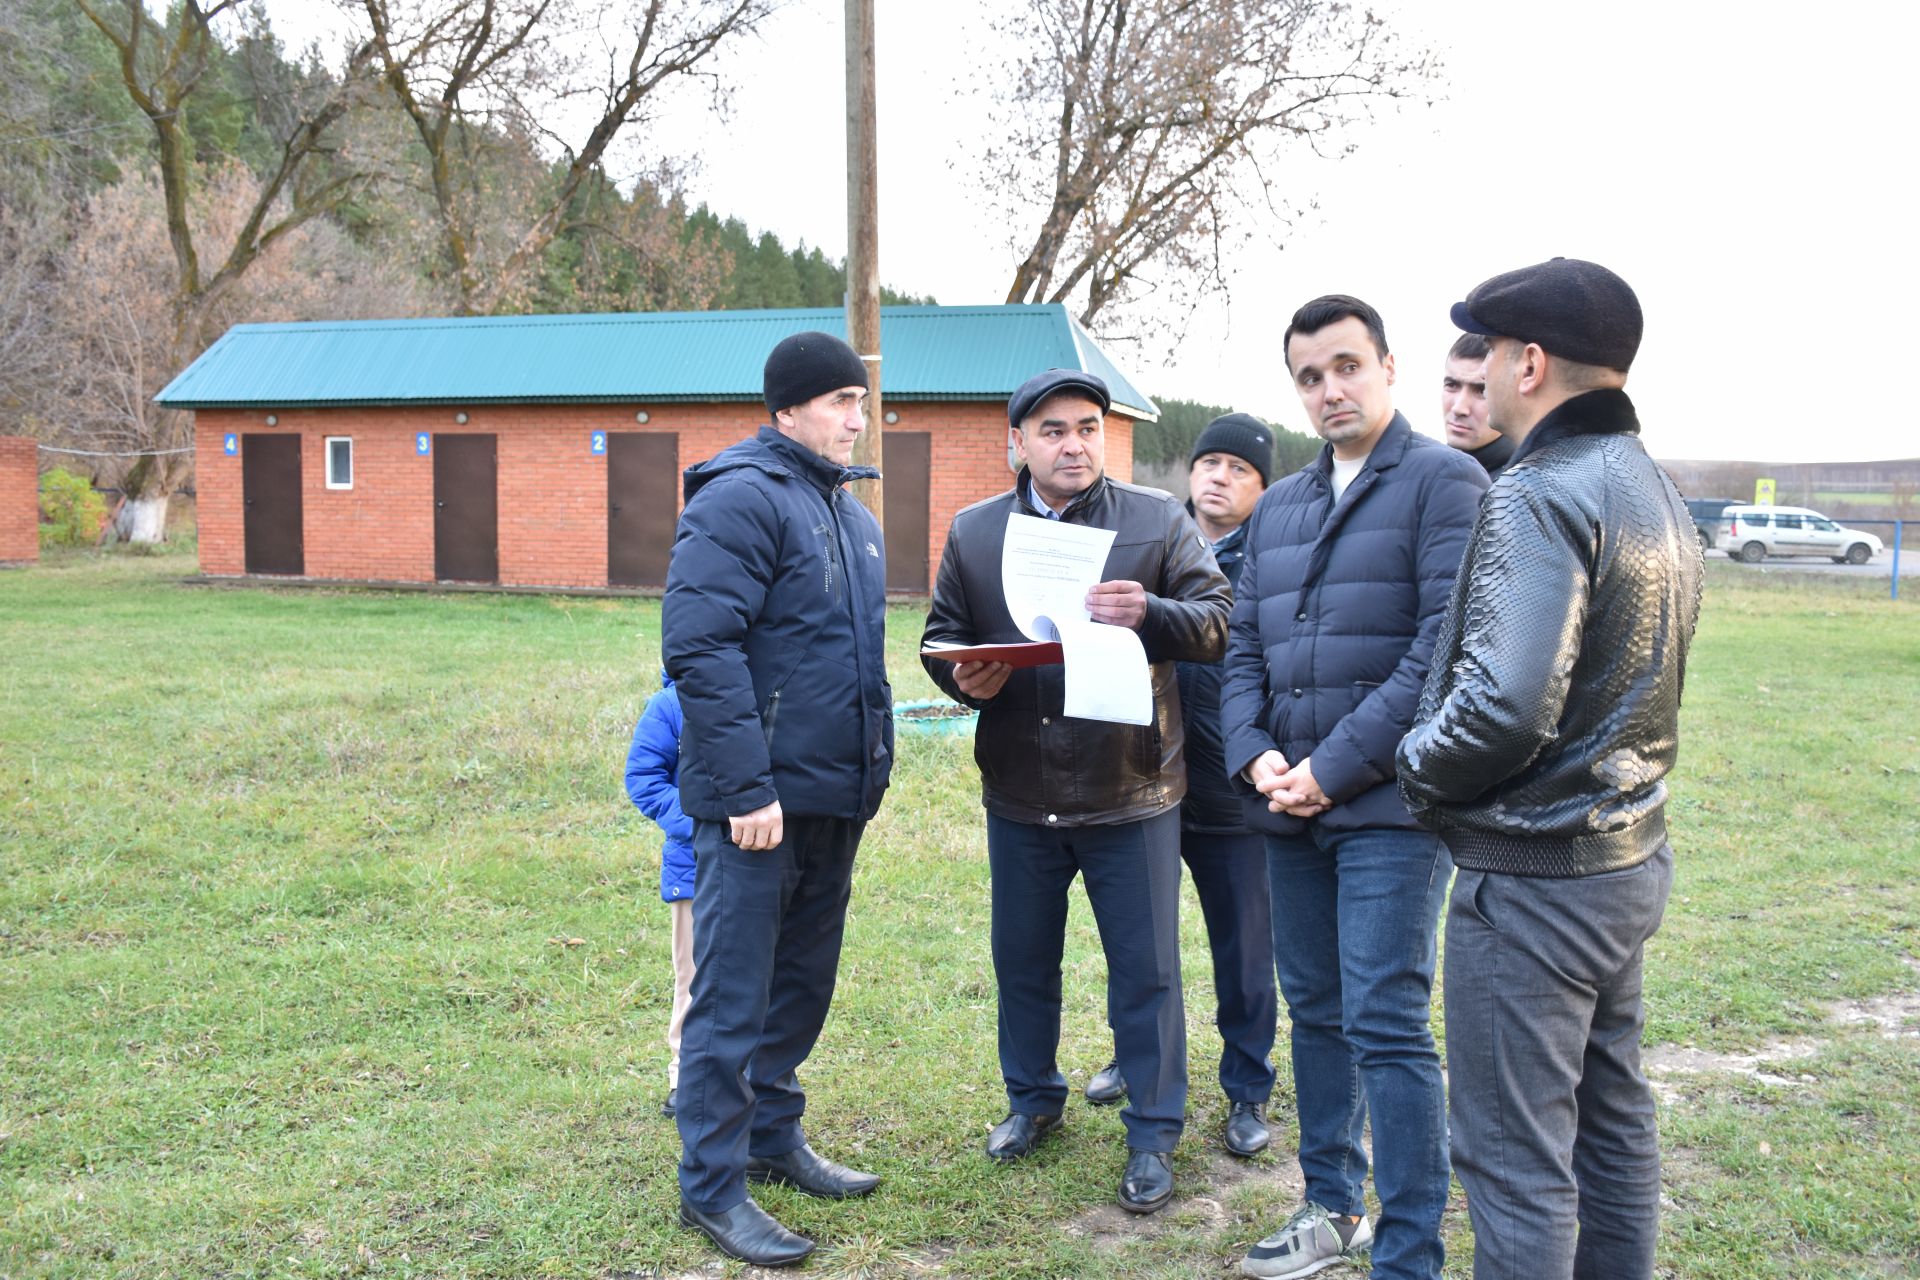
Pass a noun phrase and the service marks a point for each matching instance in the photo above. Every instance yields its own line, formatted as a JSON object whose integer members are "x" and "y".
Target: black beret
{"x": 1041, "y": 385}
{"x": 1243, "y": 436}
{"x": 1576, "y": 310}
{"x": 807, "y": 365}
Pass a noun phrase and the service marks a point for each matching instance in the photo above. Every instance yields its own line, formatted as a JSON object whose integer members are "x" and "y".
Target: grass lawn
{"x": 330, "y": 946}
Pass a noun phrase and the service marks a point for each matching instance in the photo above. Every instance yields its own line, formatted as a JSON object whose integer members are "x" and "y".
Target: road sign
{"x": 1763, "y": 492}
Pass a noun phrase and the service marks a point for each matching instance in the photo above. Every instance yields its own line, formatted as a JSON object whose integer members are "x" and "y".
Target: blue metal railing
{"x": 1899, "y": 531}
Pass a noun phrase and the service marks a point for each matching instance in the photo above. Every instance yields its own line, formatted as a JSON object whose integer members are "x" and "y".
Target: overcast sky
{"x": 1740, "y": 165}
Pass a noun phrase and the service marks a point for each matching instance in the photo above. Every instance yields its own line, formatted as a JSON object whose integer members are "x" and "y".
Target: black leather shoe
{"x": 749, "y": 1233}
{"x": 1147, "y": 1184}
{"x": 1247, "y": 1132}
{"x": 1106, "y": 1087}
{"x": 806, "y": 1170}
{"x": 1019, "y": 1134}
{"x": 666, "y": 1107}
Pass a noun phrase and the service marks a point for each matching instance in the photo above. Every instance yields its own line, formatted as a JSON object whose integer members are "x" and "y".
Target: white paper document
{"x": 1046, "y": 570}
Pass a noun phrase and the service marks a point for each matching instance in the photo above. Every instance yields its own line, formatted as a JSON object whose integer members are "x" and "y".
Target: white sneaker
{"x": 1308, "y": 1243}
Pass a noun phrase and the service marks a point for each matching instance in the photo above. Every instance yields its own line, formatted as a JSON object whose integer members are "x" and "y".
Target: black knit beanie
{"x": 807, "y": 365}
{"x": 1243, "y": 436}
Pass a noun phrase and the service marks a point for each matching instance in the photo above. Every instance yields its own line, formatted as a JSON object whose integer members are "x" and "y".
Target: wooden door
{"x": 908, "y": 456}
{"x": 466, "y": 507}
{"x": 270, "y": 497}
{"x": 643, "y": 475}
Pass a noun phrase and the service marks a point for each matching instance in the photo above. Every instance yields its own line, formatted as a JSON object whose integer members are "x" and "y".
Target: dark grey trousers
{"x": 1552, "y": 1121}
{"x": 766, "y": 952}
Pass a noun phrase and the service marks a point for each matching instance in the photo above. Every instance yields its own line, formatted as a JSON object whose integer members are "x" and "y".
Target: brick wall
{"x": 552, "y": 488}
{"x": 19, "y": 499}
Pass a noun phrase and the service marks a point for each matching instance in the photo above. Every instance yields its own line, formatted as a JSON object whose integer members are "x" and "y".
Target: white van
{"x": 1751, "y": 534}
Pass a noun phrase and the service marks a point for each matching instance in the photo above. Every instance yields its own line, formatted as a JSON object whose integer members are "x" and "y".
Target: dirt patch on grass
{"x": 1768, "y": 1065}
{"x": 1895, "y": 1015}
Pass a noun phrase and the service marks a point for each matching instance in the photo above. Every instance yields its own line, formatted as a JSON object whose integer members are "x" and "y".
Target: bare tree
{"x": 1146, "y": 132}
{"x": 161, "y": 66}
{"x": 41, "y": 167}
{"x": 470, "y": 72}
{"x": 115, "y": 322}
{"x": 32, "y": 236}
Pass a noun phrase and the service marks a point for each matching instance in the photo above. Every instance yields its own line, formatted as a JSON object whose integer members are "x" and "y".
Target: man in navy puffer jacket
{"x": 1350, "y": 563}
{"x": 773, "y": 629}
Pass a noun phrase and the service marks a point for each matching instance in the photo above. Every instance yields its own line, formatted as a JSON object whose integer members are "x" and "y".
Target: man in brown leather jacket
{"x": 1539, "y": 751}
{"x": 1067, "y": 796}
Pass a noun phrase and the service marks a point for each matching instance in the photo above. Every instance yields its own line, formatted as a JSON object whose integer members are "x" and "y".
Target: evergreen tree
{"x": 1169, "y": 441}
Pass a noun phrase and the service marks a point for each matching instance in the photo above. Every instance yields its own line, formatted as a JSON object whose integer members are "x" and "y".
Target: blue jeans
{"x": 1355, "y": 915}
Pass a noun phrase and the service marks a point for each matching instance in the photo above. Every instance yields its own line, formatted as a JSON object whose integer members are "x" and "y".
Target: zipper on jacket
{"x": 854, "y": 603}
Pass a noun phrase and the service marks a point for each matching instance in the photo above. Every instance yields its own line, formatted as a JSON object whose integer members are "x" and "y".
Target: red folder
{"x": 1026, "y": 653}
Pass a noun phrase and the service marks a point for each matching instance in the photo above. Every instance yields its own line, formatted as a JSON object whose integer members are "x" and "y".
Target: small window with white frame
{"x": 339, "y": 462}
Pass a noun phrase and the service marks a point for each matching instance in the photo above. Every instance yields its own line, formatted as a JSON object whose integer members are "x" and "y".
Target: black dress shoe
{"x": 666, "y": 1107}
{"x": 1247, "y": 1132}
{"x": 1019, "y": 1134}
{"x": 1147, "y": 1184}
{"x": 808, "y": 1171}
{"x": 749, "y": 1233}
{"x": 1107, "y": 1086}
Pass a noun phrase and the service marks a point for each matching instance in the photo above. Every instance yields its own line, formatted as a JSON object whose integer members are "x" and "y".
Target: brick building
{"x": 19, "y": 500}
{"x": 546, "y": 451}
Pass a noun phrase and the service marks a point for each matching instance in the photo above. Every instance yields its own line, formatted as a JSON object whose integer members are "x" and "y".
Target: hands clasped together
{"x": 1288, "y": 788}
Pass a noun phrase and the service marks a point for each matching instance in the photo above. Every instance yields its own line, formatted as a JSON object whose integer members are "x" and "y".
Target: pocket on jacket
{"x": 1279, "y": 711}
{"x": 770, "y": 715}
{"x": 1149, "y": 749}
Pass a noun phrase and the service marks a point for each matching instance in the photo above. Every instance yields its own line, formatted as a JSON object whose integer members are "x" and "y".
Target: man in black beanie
{"x": 784, "y": 756}
{"x": 1539, "y": 752}
{"x": 1231, "y": 464}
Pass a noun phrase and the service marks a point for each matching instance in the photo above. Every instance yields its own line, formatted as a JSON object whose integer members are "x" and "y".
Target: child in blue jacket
{"x": 653, "y": 771}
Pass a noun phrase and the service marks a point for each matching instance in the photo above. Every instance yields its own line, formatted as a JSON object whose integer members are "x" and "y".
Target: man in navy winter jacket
{"x": 1350, "y": 563}
{"x": 773, "y": 628}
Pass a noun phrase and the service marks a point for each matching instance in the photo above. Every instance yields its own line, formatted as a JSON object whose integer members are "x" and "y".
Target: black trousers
{"x": 766, "y": 949}
{"x": 1132, "y": 871}
{"x": 1229, "y": 873}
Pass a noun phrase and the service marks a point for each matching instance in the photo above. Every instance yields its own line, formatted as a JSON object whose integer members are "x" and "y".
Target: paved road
{"x": 1880, "y": 567}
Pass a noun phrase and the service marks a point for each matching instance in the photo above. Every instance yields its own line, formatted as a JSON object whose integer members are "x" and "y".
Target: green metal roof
{"x": 932, "y": 353}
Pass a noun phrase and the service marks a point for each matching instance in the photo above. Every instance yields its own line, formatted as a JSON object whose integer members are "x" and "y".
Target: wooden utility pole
{"x": 863, "y": 240}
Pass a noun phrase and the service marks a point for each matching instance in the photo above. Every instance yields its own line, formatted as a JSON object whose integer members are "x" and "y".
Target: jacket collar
{"x": 1387, "y": 450}
{"x": 1023, "y": 489}
{"x": 1227, "y": 544}
{"x": 809, "y": 465}
{"x": 1603, "y": 412}
{"x": 1497, "y": 452}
